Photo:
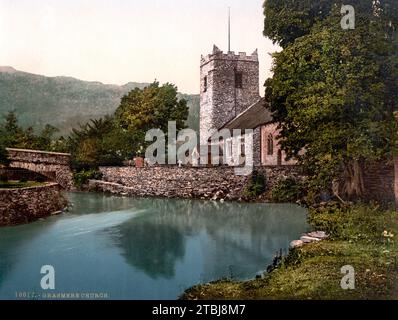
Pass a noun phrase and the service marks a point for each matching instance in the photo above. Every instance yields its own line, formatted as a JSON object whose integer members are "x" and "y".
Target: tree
{"x": 287, "y": 20}
{"x": 334, "y": 91}
{"x": 151, "y": 108}
{"x": 99, "y": 142}
{"x": 11, "y": 134}
{"x": 110, "y": 140}
{"x": 14, "y": 136}
{"x": 46, "y": 138}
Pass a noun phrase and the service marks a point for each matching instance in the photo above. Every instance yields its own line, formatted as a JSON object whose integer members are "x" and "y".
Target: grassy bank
{"x": 361, "y": 236}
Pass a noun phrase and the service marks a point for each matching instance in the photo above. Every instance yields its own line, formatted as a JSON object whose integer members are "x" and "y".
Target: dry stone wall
{"x": 29, "y": 204}
{"x": 202, "y": 183}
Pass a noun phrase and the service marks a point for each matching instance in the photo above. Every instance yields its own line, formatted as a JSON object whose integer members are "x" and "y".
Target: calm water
{"x": 144, "y": 248}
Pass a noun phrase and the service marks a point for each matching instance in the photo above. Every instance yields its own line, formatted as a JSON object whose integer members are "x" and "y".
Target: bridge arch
{"x": 53, "y": 165}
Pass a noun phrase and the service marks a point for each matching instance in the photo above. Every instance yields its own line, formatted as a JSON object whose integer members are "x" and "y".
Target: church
{"x": 230, "y": 99}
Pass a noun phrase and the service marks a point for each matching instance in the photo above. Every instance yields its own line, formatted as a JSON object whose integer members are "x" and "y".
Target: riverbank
{"x": 361, "y": 236}
{"x": 30, "y": 202}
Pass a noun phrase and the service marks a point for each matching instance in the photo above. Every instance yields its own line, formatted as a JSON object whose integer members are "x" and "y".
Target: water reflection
{"x": 231, "y": 237}
{"x": 151, "y": 247}
{"x": 145, "y": 248}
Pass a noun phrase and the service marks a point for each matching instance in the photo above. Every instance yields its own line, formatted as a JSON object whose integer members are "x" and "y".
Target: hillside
{"x": 65, "y": 102}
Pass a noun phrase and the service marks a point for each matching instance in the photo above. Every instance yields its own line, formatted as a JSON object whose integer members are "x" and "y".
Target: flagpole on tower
{"x": 229, "y": 29}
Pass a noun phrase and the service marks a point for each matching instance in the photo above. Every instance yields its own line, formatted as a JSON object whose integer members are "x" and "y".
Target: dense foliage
{"x": 288, "y": 190}
{"x": 105, "y": 141}
{"x": 256, "y": 185}
{"x": 12, "y": 135}
{"x": 99, "y": 142}
{"x": 151, "y": 108}
{"x": 334, "y": 91}
{"x": 111, "y": 140}
{"x": 80, "y": 178}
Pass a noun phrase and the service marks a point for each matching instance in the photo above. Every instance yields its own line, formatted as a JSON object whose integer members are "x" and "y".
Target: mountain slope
{"x": 62, "y": 101}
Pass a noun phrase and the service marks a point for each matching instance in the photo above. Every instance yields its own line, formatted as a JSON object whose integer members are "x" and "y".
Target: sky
{"x": 118, "y": 41}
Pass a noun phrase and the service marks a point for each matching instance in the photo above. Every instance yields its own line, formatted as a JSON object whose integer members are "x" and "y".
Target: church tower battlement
{"x": 229, "y": 84}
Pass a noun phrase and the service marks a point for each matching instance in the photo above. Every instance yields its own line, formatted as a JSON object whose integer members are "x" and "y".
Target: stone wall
{"x": 278, "y": 157}
{"x": 174, "y": 182}
{"x": 53, "y": 165}
{"x": 222, "y": 183}
{"x": 29, "y": 204}
{"x": 379, "y": 181}
{"x": 35, "y": 156}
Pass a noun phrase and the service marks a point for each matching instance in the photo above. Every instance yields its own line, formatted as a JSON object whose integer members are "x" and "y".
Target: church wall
{"x": 278, "y": 156}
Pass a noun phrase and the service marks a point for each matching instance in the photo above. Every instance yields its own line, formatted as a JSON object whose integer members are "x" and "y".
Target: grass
{"x": 363, "y": 236}
{"x": 19, "y": 185}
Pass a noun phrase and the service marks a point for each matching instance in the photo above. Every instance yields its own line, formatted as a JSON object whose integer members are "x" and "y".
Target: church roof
{"x": 253, "y": 117}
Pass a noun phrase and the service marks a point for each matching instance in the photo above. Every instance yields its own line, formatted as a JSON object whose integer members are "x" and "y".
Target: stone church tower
{"x": 229, "y": 85}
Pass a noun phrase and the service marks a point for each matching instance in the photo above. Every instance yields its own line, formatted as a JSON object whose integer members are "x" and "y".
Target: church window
{"x": 205, "y": 84}
{"x": 238, "y": 80}
{"x": 270, "y": 145}
{"x": 242, "y": 146}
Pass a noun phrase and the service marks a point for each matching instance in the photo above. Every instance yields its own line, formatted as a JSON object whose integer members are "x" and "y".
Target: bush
{"x": 288, "y": 190}
{"x": 256, "y": 185}
{"x": 81, "y": 178}
{"x": 359, "y": 222}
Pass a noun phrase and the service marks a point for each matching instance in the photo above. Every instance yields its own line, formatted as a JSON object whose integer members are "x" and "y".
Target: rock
{"x": 318, "y": 234}
{"x": 307, "y": 239}
{"x": 296, "y": 244}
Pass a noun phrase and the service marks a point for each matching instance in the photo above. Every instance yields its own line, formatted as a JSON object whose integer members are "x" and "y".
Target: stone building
{"x": 230, "y": 99}
{"x": 229, "y": 85}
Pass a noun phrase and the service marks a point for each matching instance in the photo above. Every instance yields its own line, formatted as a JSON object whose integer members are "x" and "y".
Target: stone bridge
{"x": 53, "y": 165}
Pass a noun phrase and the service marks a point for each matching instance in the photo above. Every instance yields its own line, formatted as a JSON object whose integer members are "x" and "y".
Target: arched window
{"x": 270, "y": 145}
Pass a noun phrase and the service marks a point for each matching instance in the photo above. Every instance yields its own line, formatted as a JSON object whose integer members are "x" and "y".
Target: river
{"x": 128, "y": 248}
